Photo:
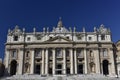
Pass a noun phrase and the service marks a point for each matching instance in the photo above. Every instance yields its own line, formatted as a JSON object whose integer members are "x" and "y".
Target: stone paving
{"x": 60, "y": 77}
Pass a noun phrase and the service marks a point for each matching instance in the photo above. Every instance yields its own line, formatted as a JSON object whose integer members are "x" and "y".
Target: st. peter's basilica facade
{"x": 60, "y": 51}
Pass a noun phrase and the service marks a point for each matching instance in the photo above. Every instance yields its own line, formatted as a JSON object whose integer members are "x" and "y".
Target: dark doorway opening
{"x": 50, "y": 71}
{"x": 59, "y": 67}
{"x": 80, "y": 69}
{"x": 68, "y": 71}
{"x": 38, "y": 69}
{"x": 13, "y": 67}
{"x": 59, "y": 72}
{"x": 105, "y": 67}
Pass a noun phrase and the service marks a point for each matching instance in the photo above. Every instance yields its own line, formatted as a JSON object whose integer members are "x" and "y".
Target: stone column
{"x": 85, "y": 57}
{"x": 20, "y": 61}
{"x": 43, "y": 61}
{"x": 64, "y": 61}
{"x": 97, "y": 60}
{"x": 32, "y": 61}
{"x": 54, "y": 62}
{"x": 46, "y": 67}
{"x": 71, "y": 61}
{"x": 75, "y": 60}
{"x": 111, "y": 55}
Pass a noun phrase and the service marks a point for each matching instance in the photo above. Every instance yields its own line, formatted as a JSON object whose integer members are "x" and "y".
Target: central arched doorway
{"x": 105, "y": 67}
{"x": 13, "y": 67}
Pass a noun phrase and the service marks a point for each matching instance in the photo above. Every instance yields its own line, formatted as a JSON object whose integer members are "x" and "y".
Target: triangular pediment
{"x": 59, "y": 39}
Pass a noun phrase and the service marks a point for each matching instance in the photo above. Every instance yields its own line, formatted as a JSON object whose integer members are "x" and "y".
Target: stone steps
{"x": 60, "y": 77}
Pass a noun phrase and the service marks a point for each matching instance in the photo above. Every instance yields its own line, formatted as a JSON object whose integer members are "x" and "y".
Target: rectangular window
{"x": 90, "y": 38}
{"x": 102, "y": 37}
{"x": 38, "y": 53}
{"x": 79, "y": 38}
{"x": 105, "y": 54}
{"x": 14, "y": 54}
{"x": 59, "y": 52}
{"x": 67, "y": 53}
{"x": 15, "y": 38}
{"x": 28, "y": 38}
{"x": 79, "y": 52}
{"x": 39, "y": 37}
{"x": 50, "y": 52}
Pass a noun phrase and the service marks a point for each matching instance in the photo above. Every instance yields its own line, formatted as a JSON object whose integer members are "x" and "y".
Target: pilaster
{"x": 71, "y": 62}
{"x": 54, "y": 62}
{"x": 43, "y": 61}
{"x": 46, "y": 67}
{"x": 86, "y": 64}
{"x": 32, "y": 61}
{"x": 75, "y": 60}
{"x": 20, "y": 61}
{"x": 64, "y": 61}
{"x": 97, "y": 60}
{"x": 111, "y": 54}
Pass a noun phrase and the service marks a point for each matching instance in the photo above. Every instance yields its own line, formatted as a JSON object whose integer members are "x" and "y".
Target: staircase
{"x": 60, "y": 77}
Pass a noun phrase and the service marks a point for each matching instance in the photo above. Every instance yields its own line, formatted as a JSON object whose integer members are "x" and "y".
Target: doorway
{"x": 13, "y": 67}
{"x": 80, "y": 69}
{"x": 59, "y": 69}
{"x": 105, "y": 67}
{"x": 37, "y": 69}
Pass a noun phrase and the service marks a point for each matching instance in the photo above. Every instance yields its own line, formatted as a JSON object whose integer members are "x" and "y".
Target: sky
{"x": 45, "y": 13}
